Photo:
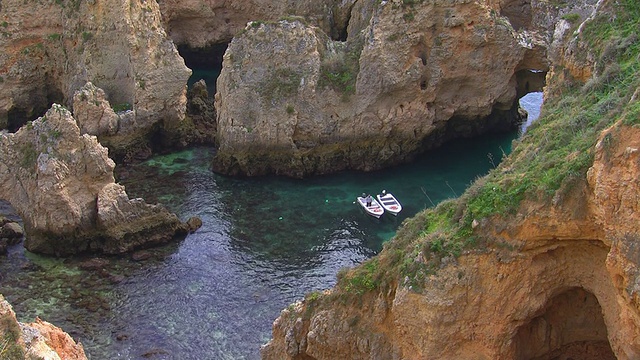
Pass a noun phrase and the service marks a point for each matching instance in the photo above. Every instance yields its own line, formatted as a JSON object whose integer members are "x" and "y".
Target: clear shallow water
{"x": 264, "y": 243}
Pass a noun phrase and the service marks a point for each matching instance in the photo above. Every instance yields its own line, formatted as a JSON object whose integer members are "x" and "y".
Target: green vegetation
{"x": 279, "y": 84}
{"x": 340, "y": 71}
{"x": 54, "y": 37}
{"x": 290, "y": 109}
{"x": 29, "y": 156}
{"x": 549, "y": 161}
{"x": 409, "y": 16}
{"x": 411, "y": 3}
{"x": 4, "y": 24}
{"x": 9, "y": 349}
{"x": 572, "y": 17}
{"x": 393, "y": 37}
{"x": 121, "y": 107}
{"x": 557, "y": 150}
{"x": 86, "y": 36}
{"x": 363, "y": 279}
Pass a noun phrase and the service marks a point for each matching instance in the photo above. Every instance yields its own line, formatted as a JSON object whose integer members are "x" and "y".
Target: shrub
{"x": 121, "y": 107}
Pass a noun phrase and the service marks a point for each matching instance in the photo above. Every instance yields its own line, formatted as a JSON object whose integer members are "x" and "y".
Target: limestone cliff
{"x": 537, "y": 260}
{"x": 409, "y": 76}
{"x": 199, "y": 24}
{"x": 61, "y": 183}
{"x": 49, "y": 50}
{"x": 36, "y": 340}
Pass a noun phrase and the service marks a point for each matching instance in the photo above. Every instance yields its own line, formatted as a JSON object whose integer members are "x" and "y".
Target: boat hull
{"x": 375, "y": 209}
{"x": 389, "y": 203}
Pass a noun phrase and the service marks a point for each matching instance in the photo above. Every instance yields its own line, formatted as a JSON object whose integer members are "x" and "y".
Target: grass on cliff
{"x": 340, "y": 71}
{"x": 552, "y": 157}
{"x": 557, "y": 150}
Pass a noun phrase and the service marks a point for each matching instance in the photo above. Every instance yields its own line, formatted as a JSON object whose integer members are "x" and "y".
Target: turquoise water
{"x": 264, "y": 243}
{"x": 209, "y": 75}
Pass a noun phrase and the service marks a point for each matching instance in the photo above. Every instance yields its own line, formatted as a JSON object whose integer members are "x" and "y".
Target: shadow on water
{"x": 264, "y": 243}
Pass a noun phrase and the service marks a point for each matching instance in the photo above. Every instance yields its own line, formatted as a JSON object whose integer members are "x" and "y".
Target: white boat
{"x": 374, "y": 209}
{"x": 389, "y": 202}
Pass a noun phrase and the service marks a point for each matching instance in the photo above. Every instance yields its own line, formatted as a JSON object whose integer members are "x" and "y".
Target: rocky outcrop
{"x": 566, "y": 285}
{"x": 408, "y": 77}
{"x": 61, "y": 183}
{"x": 202, "y": 113}
{"x": 36, "y": 340}
{"x": 535, "y": 268}
{"x": 50, "y": 50}
{"x": 200, "y": 24}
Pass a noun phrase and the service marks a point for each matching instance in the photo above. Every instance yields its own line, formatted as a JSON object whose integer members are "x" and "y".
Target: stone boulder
{"x": 36, "y": 340}
{"x": 62, "y": 185}
{"x": 11, "y": 233}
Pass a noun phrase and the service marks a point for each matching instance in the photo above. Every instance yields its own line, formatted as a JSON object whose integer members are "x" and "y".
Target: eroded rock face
{"x": 61, "y": 183}
{"x": 569, "y": 289}
{"x": 199, "y": 24}
{"x": 50, "y": 50}
{"x": 292, "y": 101}
{"x": 36, "y": 340}
{"x": 562, "y": 285}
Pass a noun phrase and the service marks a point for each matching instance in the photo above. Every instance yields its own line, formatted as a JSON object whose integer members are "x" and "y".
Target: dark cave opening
{"x": 206, "y": 64}
{"x": 33, "y": 104}
{"x": 18, "y": 116}
{"x": 570, "y": 326}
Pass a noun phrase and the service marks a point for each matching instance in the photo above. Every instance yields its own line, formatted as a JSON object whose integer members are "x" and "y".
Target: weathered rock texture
{"x": 292, "y": 101}
{"x": 570, "y": 290}
{"x": 559, "y": 282}
{"x": 52, "y": 49}
{"x": 36, "y": 340}
{"x": 61, "y": 183}
{"x": 199, "y": 24}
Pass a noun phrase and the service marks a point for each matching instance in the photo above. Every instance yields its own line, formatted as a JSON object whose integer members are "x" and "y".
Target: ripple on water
{"x": 264, "y": 243}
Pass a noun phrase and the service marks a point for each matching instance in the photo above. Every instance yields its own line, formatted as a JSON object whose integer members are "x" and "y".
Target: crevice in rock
{"x": 569, "y": 326}
{"x": 518, "y": 12}
{"x": 339, "y": 32}
{"x": 206, "y": 64}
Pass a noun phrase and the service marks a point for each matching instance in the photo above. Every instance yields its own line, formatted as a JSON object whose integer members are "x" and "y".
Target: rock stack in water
{"x": 61, "y": 183}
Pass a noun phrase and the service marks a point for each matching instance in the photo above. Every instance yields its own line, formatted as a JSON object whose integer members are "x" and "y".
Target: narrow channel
{"x": 264, "y": 243}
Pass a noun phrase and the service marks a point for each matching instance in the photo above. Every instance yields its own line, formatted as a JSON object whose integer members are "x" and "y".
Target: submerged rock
{"x": 62, "y": 185}
{"x": 11, "y": 233}
{"x": 36, "y": 340}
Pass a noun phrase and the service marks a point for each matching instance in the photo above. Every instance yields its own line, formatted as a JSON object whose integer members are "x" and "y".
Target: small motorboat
{"x": 389, "y": 202}
{"x": 374, "y": 209}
